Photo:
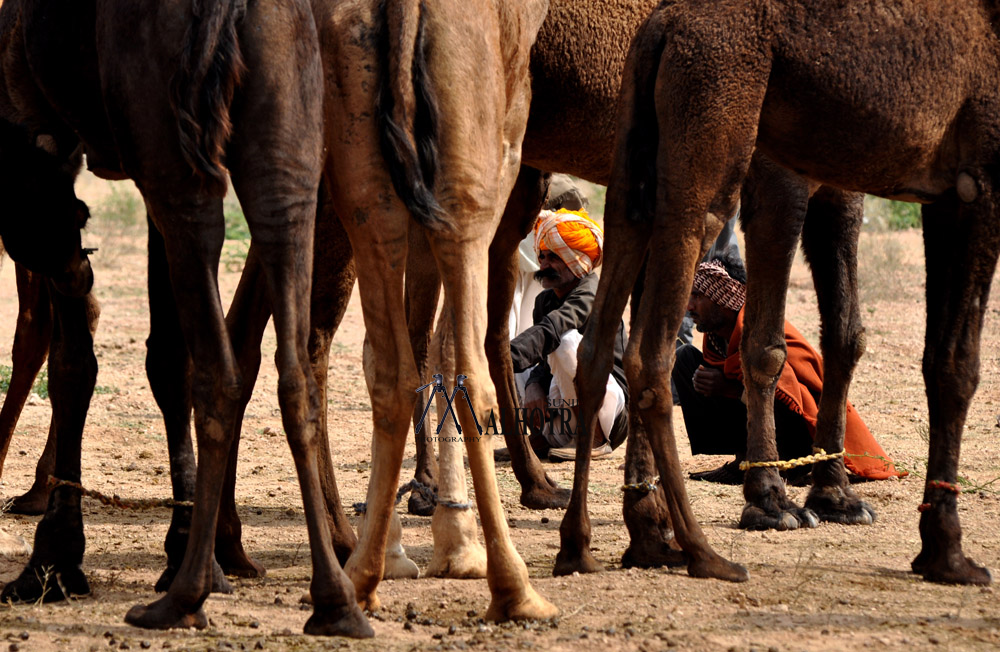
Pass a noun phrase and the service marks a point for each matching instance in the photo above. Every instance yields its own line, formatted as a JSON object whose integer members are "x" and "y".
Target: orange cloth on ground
{"x": 799, "y": 388}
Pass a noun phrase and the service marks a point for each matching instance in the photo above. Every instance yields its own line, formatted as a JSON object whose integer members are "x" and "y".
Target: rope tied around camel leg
{"x": 950, "y": 487}
{"x": 426, "y": 491}
{"x": 646, "y": 486}
{"x": 117, "y": 501}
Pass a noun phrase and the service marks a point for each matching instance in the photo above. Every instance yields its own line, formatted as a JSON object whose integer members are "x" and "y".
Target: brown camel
{"x": 161, "y": 95}
{"x": 452, "y": 115}
{"x": 32, "y": 337}
{"x": 895, "y": 98}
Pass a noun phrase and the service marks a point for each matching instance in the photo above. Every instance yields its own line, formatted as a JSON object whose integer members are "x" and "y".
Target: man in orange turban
{"x": 710, "y": 385}
{"x": 569, "y": 247}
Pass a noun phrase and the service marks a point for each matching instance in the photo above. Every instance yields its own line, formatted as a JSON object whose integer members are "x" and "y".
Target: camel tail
{"x": 407, "y": 110}
{"x": 202, "y": 89}
{"x": 642, "y": 136}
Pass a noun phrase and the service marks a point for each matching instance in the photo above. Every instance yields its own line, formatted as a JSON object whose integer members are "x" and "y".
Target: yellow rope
{"x": 646, "y": 486}
{"x": 819, "y": 455}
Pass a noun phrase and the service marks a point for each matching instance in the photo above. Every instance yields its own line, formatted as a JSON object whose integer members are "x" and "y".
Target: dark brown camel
{"x": 896, "y": 99}
{"x": 161, "y": 95}
{"x": 32, "y": 338}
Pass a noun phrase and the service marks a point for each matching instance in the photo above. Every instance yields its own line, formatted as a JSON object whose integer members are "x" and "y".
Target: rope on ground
{"x": 646, "y": 486}
{"x": 950, "y": 487}
{"x": 422, "y": 489}
{"x": 117, "y": 501}
{"x": 819, "y": 455}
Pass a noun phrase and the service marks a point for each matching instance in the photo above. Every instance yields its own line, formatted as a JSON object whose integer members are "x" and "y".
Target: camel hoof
{"x": 584, "y": 562}
{"x": 32, "y": 503}
{"x": 345, "y": 621}
{"x": 369, "y": 602}
{"x": 219, "y": 582}
{"x": 399, "y": 567}
{"x": 545, "y": 497}
{"x": 660, "y": 554}
{"x": 718, "y": 568}
{"x": 530, "y": 606}
{"x": 466, "y": 562}
{"x": 34, "y": 585}
{"x": 238, "y": 564}
{"x": 789, "y": 517}
{"x": 163, "y": 614}
{"x": 418, "y": 505}
{"x": 839, "y": 505}
{"x": 951, "y": 570}
{"x": 457, "y": 551}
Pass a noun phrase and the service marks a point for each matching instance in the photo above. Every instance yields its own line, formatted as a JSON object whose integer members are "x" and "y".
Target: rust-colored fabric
{"x": 799, "y": 388}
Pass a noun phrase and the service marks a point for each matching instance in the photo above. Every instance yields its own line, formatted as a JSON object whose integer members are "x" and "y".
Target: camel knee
{"x": 763, "y": 367}
{"x": 392, "y": 405}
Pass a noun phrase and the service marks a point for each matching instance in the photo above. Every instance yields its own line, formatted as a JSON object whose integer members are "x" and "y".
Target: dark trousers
{"x": 718, "y": 425}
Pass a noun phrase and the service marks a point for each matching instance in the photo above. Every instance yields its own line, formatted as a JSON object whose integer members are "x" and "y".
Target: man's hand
{"x": 534, "y": 398}
{"x": 709, "y": 381}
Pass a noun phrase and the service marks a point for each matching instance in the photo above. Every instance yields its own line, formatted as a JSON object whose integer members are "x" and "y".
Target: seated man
{"x": 710, "y": 385}
{"x": 568, "y": 245}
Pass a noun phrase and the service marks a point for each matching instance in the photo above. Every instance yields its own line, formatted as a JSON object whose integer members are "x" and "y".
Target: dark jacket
{"x": 552, "y": 317}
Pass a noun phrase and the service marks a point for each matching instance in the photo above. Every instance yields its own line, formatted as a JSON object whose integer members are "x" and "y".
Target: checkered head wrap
{"x": 714, "y": 282}
{"x": 573, "y": 236}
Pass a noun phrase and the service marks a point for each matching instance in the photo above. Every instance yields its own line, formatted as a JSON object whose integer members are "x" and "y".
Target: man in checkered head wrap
{"x": 709, "y": 383}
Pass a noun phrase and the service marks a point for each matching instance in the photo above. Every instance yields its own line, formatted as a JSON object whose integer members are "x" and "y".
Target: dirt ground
{"x": 830, "y": 588}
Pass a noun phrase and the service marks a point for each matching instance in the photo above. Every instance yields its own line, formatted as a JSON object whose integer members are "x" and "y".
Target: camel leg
{"x": 397, "y": 564}
{"x": 37, "y": 497}
{"x": 640, "y": 215}
{"x": 168, "y": 368}
{"x": 31, "y": 347}
{"x": 830, "y": 241}
{"x": 647, "y": 519}
{"x": 246, "y": 320}
{"x": 626, "y": 244}
{"x": 377, "y": 224}
{"x": 464, "y": 271}
{"x": 333, "y": 281}
{"x": 54, "y": 570}
{"x": 774, "y": 207}
{"x": 651, "y": 535}
{"x": 649, "y": 358}
{"x": 285, "y": 249}
{"x": 961, "y": 255}
{"x": 457, "y": 551}
{"x": 423, "y": 288}
{"x": 538, "y": 491}
{"x": 381, "y": 282}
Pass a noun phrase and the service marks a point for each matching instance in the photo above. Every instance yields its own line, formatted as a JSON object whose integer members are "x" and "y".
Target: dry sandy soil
{"x": 830, "y": 588}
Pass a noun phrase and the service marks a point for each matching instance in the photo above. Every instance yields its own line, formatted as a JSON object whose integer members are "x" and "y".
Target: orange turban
{"x": 573, "y": 236}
